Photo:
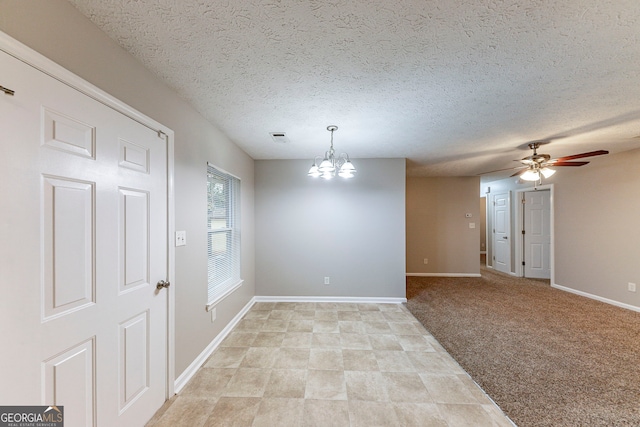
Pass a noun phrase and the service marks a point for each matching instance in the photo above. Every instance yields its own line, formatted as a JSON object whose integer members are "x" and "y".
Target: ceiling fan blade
{"x": 580, "y": 156}
{"x": 567, "y": 164}
{"x": 500, "y": 170}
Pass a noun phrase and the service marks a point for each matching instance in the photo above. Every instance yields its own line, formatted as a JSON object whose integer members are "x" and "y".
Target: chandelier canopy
{"x": 331, "y": 164}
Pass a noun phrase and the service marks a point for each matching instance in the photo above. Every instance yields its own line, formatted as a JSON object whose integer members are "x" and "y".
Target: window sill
{"x": 223, "y": 295}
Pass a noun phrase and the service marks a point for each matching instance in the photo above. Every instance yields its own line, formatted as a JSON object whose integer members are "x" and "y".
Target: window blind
{"x": 223, "y": 233}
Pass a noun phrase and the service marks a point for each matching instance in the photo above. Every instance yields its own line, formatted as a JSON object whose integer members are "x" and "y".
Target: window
{"x": 223, "y": 234}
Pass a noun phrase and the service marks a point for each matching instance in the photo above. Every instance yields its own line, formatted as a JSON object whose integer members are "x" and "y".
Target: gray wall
{"x": 597, "y": 231}
{"x": 437, "y": 227}
{"x": 58, "y": 31}
{"x": 349, "y": 230}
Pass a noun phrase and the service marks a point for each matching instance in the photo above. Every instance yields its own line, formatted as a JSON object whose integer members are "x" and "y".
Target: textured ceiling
{"x": 457, "y": 87}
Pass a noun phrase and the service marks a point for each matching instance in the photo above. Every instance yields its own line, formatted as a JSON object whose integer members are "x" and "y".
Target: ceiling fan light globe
{"x": 547, "y": 172}
{"x": 530, "y": 175}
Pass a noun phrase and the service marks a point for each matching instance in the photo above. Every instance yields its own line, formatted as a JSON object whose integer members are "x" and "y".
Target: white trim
{"x": 216, "y": 300}
{"x": 171, "y": 270}
{"x": 597, "y": 298}
{"x": 359, "y": 300}
{"x": 193, "y": 368}
{"x": 444, "y": 275}
{"x": 483, "y": 252}
{"x": 43, "y": 64}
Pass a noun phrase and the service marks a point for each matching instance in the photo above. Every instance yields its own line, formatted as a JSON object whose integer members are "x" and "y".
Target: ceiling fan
{"x": 537, "y": 165}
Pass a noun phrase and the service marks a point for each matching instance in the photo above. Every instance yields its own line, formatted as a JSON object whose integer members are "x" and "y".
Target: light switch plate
{"x": 181, "y": 238}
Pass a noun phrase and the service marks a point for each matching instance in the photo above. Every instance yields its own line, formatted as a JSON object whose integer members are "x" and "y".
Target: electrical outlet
{"x": 426, "y": 260}
{"x": 181, "y": 238}
{"x": 327, "y": 280}
{"x": 631, "y": 287}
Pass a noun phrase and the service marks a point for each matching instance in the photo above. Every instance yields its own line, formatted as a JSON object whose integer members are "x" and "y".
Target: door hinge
{"x": 522, "y": 231}
{"x": 524, "y": 201}
{"x": 522, "y": 262}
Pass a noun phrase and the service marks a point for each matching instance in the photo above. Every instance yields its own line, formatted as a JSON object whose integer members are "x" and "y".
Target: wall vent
{"x": 279, "y": 137}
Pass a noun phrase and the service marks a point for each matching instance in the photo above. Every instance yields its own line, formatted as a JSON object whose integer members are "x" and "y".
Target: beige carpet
{"x": 546, "y": 357}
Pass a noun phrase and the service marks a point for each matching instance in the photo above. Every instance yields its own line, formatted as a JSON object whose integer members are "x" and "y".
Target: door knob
{"x": 162, "y": 284}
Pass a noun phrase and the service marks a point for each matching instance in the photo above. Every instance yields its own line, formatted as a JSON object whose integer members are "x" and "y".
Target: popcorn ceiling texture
{"x": 457, "y": 87}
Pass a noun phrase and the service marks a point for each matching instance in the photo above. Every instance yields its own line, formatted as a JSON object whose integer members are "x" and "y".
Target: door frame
{"x": 518, "y": 241}
{"x": 509, "y": 227}
{"x": 36, "y": 60}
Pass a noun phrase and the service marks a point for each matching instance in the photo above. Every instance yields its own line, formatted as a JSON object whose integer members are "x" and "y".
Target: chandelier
{"x": 331, "y": 164}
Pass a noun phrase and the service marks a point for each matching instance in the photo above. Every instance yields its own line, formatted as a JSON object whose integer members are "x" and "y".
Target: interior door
{"x": 84, "y": 241}
{"x": 537, "y": 234}
{"x": 501, "y": 241}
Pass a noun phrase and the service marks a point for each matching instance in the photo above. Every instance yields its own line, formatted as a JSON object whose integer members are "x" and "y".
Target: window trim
{"x": 226, "y": 289}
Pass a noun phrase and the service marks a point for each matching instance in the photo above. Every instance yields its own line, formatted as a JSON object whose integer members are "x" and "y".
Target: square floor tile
{"x": 226, "y": 357}
{"x": 292, "y": 358}
{"x": 328, "y": 385}
{"x": 326, "y": 359}
{"x": 233, "y": 412}
{"x": 247, "y": 383}
{"x": 359, "y": 360}
{"x": 326, "y": 413}
{"x": 369, "y": 414}
{"x": 286, "y": 383}
{"x": 366, "y": 385}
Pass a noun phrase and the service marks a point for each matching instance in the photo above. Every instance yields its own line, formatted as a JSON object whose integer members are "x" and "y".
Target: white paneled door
{"x": 84, "y": 242}
{"x": 537, "y": 234}
{"x": 501, "y": 232}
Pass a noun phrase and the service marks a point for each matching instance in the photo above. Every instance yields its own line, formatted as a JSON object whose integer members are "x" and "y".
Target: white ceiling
{"x": 458, "y": 87}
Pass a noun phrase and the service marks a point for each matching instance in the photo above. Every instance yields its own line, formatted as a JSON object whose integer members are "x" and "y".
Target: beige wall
{"x": 58, "y": 31}
{"x": 437, "y": 228}
{"x": 352, "y": 231}
{"x": 597, "y": 232}
{"x": 596, "y": 226}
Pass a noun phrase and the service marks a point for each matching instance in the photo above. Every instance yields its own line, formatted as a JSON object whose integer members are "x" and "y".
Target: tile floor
{"x": 330, "y": 364}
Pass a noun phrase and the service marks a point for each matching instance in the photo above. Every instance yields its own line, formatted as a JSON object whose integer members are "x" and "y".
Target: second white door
{"x": 537, "y": 234}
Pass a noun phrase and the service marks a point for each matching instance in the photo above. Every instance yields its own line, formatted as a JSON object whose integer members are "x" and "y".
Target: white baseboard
{"x": 444, "y": 274}
{"x": 359, "y": 300}
{"x": 191, "y": 370}
{"x": 597, "y": 298}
